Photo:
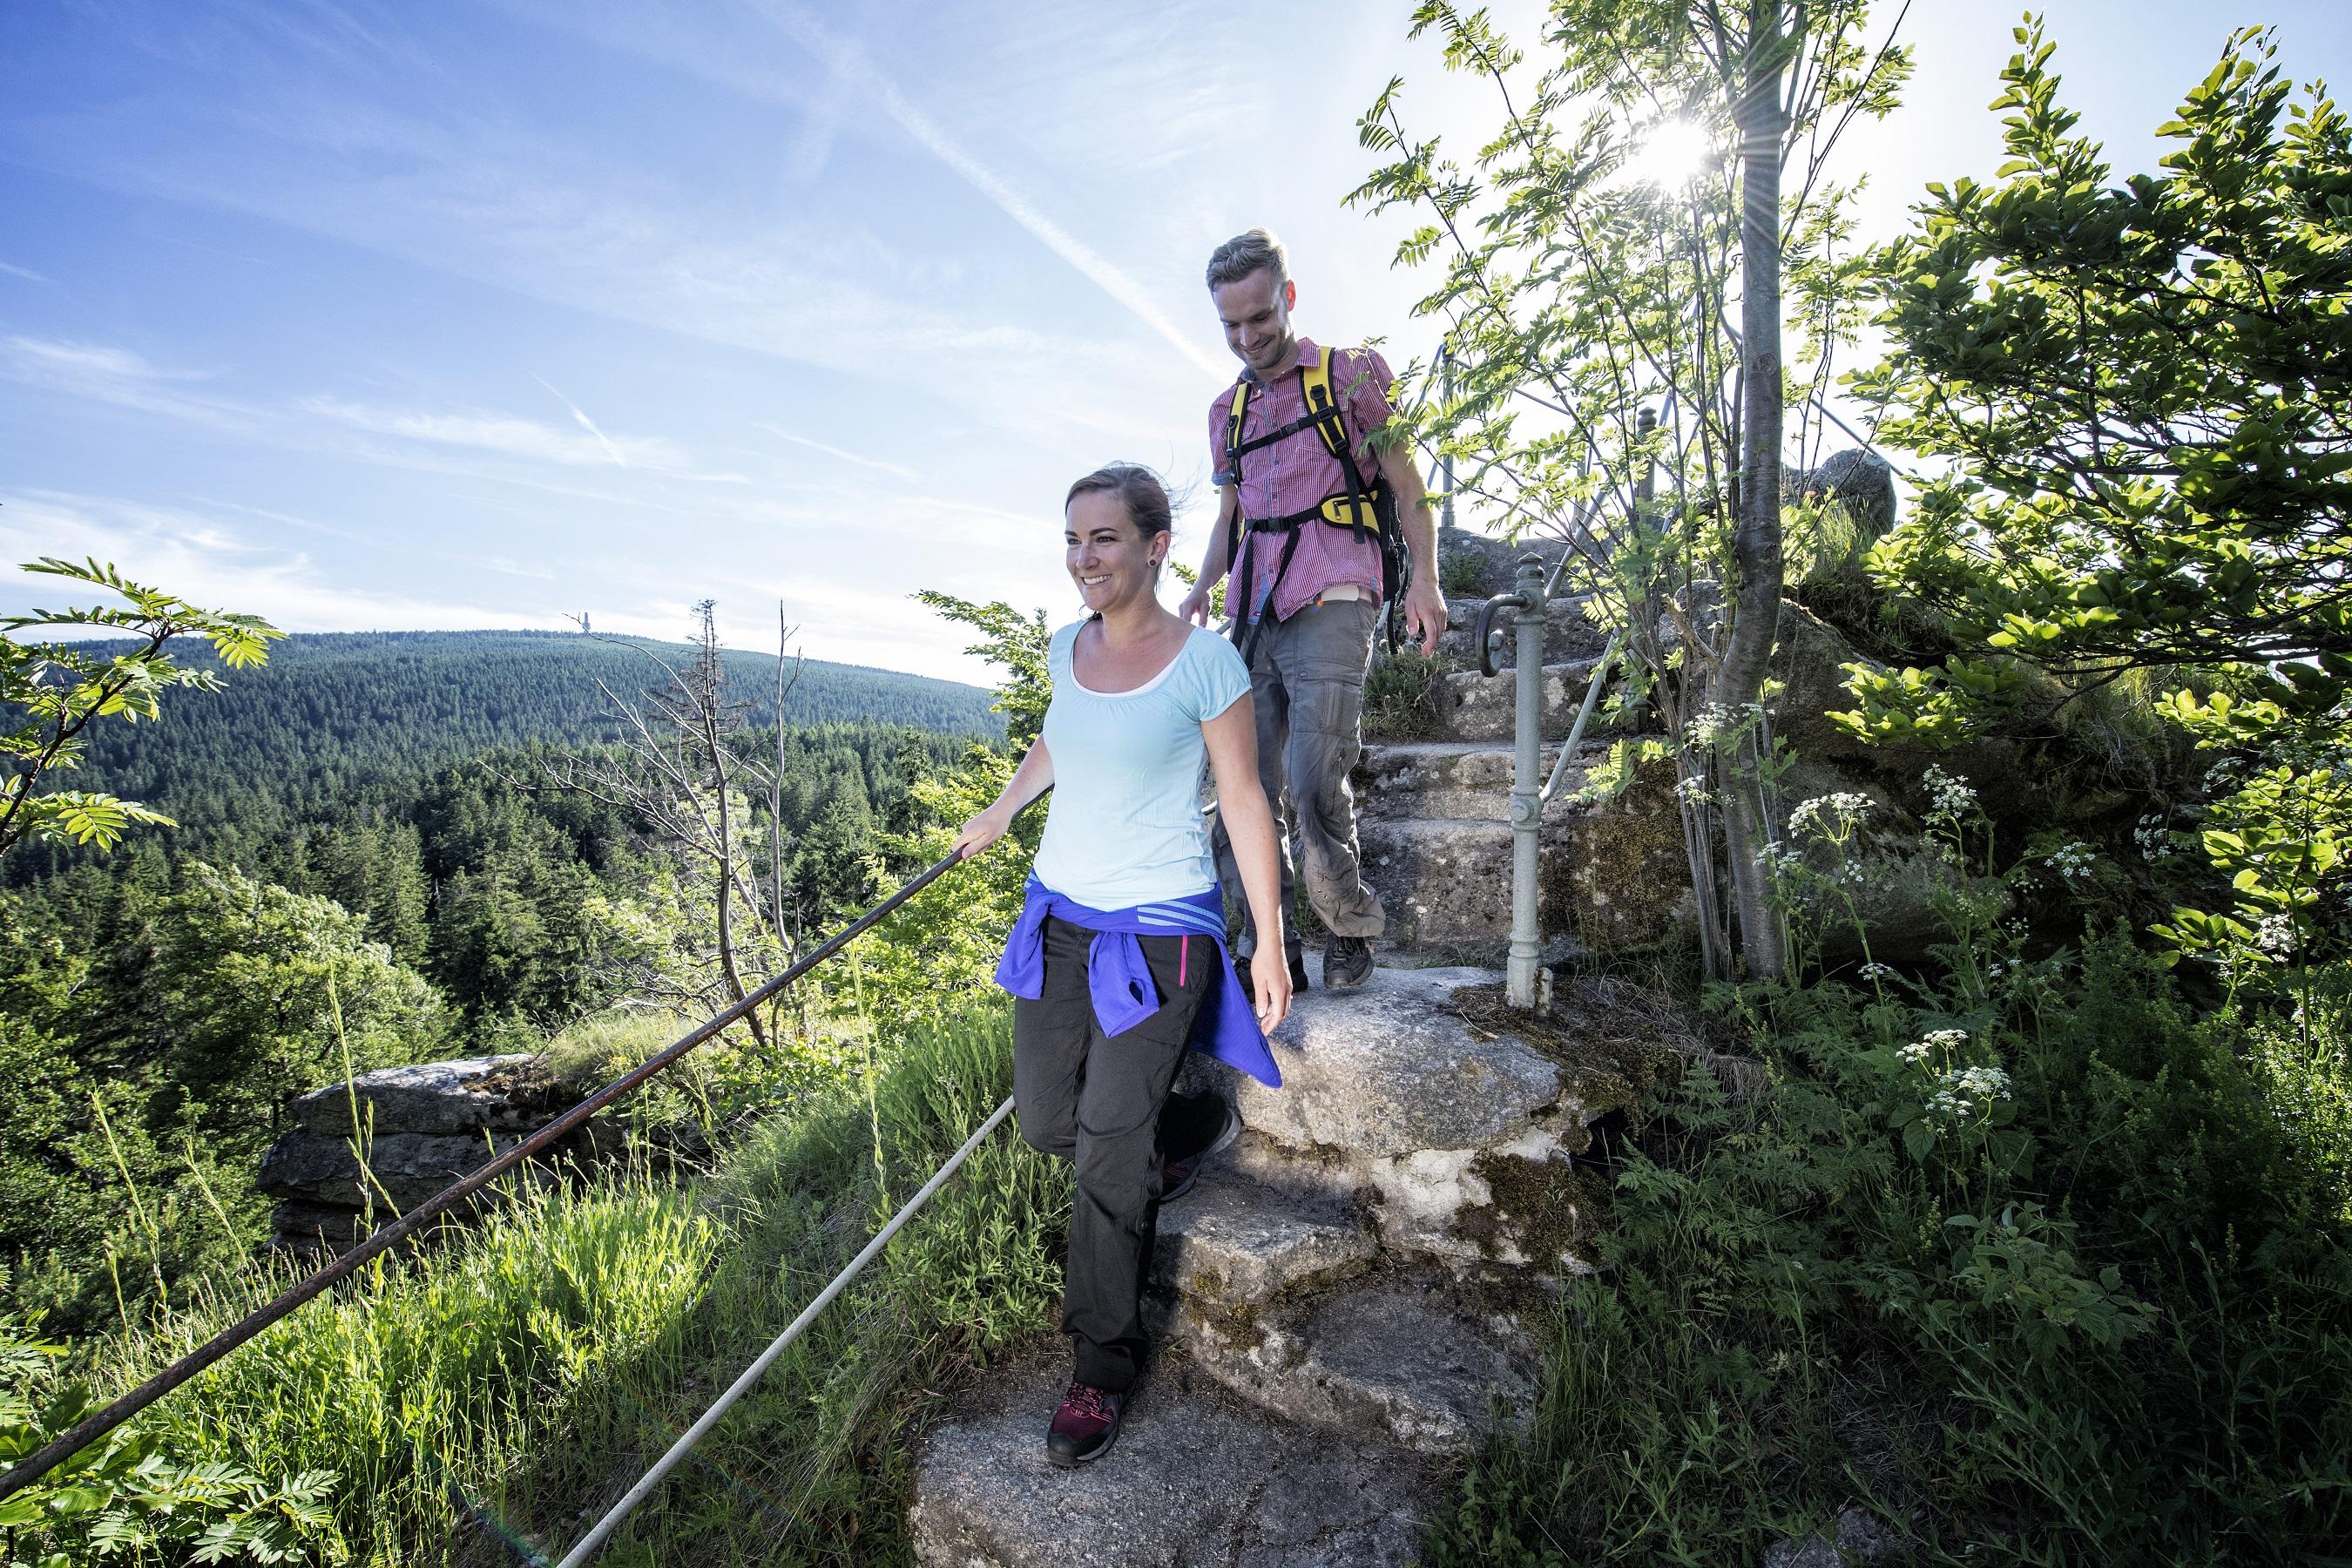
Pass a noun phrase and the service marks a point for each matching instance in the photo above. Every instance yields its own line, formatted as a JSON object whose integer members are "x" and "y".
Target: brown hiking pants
{"x": 1307, "y": 683}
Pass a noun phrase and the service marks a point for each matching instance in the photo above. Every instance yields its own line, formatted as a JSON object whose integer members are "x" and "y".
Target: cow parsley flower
{"x": 1828, "y": 814}
{"x": 2072, "y": 860}
{"x": 1948, "y": 794}
{"x": 1706, "y": 726}
{"x": 1962, "y": 1092}
{"x": 2155, "y": 840}
{"x": 2275, "y": 935}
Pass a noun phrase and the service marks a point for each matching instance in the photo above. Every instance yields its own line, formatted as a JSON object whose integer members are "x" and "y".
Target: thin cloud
{"x": 504, "y": 432}
{"x": 119, "y": 376}
{"x": 894, "y": 470}
{"x": 15, "y": 271}
{"x": 843, "y": 56}
{"x": 206, "y": 563}
{"x": 585, "y": 423}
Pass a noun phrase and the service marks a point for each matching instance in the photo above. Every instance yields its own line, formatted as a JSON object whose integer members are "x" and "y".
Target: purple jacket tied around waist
{"x": 1120, "y": 981}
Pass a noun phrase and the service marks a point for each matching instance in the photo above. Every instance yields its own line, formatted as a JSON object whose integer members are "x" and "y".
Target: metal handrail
{"x": 50, "y": 1455}
{"x": 1482, "y": 636}
{"x": 594, "y": 1540}
{"x": 1594, "y": 683}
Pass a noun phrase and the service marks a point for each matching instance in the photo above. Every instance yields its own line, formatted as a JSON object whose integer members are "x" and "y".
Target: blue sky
{"x": 469, "y": 314}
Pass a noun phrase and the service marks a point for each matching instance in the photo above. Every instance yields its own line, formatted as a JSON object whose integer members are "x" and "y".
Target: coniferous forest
{"x": 374, "y": 852}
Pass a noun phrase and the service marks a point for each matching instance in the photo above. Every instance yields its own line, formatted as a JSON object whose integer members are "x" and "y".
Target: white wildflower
{"x": 1694, "y": 791}
{"x": 2154, "y": 839}
{"x": 1968, "y": 1091}
{"x": 2275, "y": 935}
{"x": 1839, "y": 809}
{"x": 1707, "y": 726}
{"x": 1916, "y": 1052}
{"x": 1948, "y": 794}
{"x": 1945, "y": 1040}
{"x": 2072, "y": 860}
{"x": 1778, "y": 859}
{"x": 1876, "y": 971}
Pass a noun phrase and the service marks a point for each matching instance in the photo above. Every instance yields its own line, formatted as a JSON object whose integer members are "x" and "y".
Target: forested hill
{"x": 333, "y": 712}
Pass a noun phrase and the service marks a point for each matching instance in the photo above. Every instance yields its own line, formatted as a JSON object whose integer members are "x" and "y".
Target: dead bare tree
{"x": 678, "y": 771}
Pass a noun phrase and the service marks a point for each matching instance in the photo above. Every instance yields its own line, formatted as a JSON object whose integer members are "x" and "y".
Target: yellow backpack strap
{"x": 1234, "y": 429}
{"x": 1315, "y": 383}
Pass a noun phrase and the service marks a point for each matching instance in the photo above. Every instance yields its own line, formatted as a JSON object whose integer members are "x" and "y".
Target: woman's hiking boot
{"x": 1085, "y": 1427}
{"x": 1347, "y": 962}
{"x": 1176, "y": 1176}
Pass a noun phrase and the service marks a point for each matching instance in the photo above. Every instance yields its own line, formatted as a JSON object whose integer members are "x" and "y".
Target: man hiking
{"x": 1312, "y": 513}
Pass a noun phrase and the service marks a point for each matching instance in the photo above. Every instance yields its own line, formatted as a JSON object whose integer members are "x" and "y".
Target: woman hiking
{"x": 1117, "y": 962}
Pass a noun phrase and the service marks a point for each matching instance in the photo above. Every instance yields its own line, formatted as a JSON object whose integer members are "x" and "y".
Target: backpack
{"x": 1359, "y": 505}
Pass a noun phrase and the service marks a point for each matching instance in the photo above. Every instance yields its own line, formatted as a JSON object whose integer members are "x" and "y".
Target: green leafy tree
{"x": 1016, "y": 644}
{"x": 1586, "y": 287}
{"x": 2139, "y": 397}
{"x": 58, "y": 690}
{"x": 149, "y": 1078}
{"x": 2140, "y": 390}
{"x": 944, "y": 943}
{"x": 263, "y": 992}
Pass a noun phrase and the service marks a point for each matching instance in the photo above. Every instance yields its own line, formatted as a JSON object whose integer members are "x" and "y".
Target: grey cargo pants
{"x": 1307, "y": 683}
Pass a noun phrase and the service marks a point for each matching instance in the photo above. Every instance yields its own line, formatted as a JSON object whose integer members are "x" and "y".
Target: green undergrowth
{"x": 486, "y": 1399}
{"x": 2030, "y": 1262}
{"x": 1400, "y": 697}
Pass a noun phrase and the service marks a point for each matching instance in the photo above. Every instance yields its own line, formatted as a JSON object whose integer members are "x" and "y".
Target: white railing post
{"x": 1527, "y": 784}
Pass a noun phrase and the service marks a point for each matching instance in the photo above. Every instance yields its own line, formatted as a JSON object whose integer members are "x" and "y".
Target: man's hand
{"x": 1196, "y": 605}
{"x": 1424, "y": 613}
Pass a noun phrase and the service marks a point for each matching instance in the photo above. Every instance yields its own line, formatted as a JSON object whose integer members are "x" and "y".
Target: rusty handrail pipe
{"x": 91, "y": 1427}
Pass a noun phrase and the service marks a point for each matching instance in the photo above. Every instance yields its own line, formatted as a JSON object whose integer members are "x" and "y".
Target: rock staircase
{"x": 1349, "y": 1297}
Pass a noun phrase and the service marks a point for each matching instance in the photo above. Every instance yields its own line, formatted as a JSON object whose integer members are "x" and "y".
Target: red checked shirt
{"x": 1298, "y": 472}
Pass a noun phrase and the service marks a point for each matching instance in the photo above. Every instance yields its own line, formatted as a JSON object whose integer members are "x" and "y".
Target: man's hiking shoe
{"x": 1297, "y": 975}
{"x": 1176, "y": 1177}
{"x": 1347, "y": 962}
{"x": 1085, "y": 1427}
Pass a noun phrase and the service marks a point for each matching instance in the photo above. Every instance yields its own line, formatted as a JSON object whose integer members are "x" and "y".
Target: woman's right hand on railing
{"x": 980, "y": 832}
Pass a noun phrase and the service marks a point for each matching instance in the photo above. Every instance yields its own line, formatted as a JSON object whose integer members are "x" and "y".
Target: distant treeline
{"x": 334, "y": 713}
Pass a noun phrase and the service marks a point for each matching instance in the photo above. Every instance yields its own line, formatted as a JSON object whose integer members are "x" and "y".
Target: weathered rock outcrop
{"x": 420, "y": 1127}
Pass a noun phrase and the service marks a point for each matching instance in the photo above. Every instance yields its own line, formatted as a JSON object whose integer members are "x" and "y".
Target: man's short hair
{"x": 1245, "y": 254}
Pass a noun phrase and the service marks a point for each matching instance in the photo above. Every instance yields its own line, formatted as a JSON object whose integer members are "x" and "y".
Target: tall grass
{"x": 2101, "y": 1312}
{"x": 492, "y": 1393}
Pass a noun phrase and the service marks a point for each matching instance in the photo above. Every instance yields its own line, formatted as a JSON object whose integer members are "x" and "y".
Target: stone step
{"x": 1256, "y": 1225}
{"x": 1473, "y": 707}
{"x": 1403, "y": 1357}
{"x": 1461, "y": 1140}
{"x": 1198, "y": 1476}
{"x": 1449, "y": 881}
{"x": 1386, "y": 1070}
{"x": 1467, "y": 781}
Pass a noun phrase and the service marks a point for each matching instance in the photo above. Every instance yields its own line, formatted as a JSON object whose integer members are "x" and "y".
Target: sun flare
{"x": 1669, "y": 153}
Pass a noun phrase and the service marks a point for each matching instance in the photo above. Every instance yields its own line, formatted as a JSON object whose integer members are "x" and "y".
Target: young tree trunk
{"x": 1756, "y": 538}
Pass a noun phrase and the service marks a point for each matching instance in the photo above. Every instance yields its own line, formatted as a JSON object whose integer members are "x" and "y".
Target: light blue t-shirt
{"x": 1124, "y": 826}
